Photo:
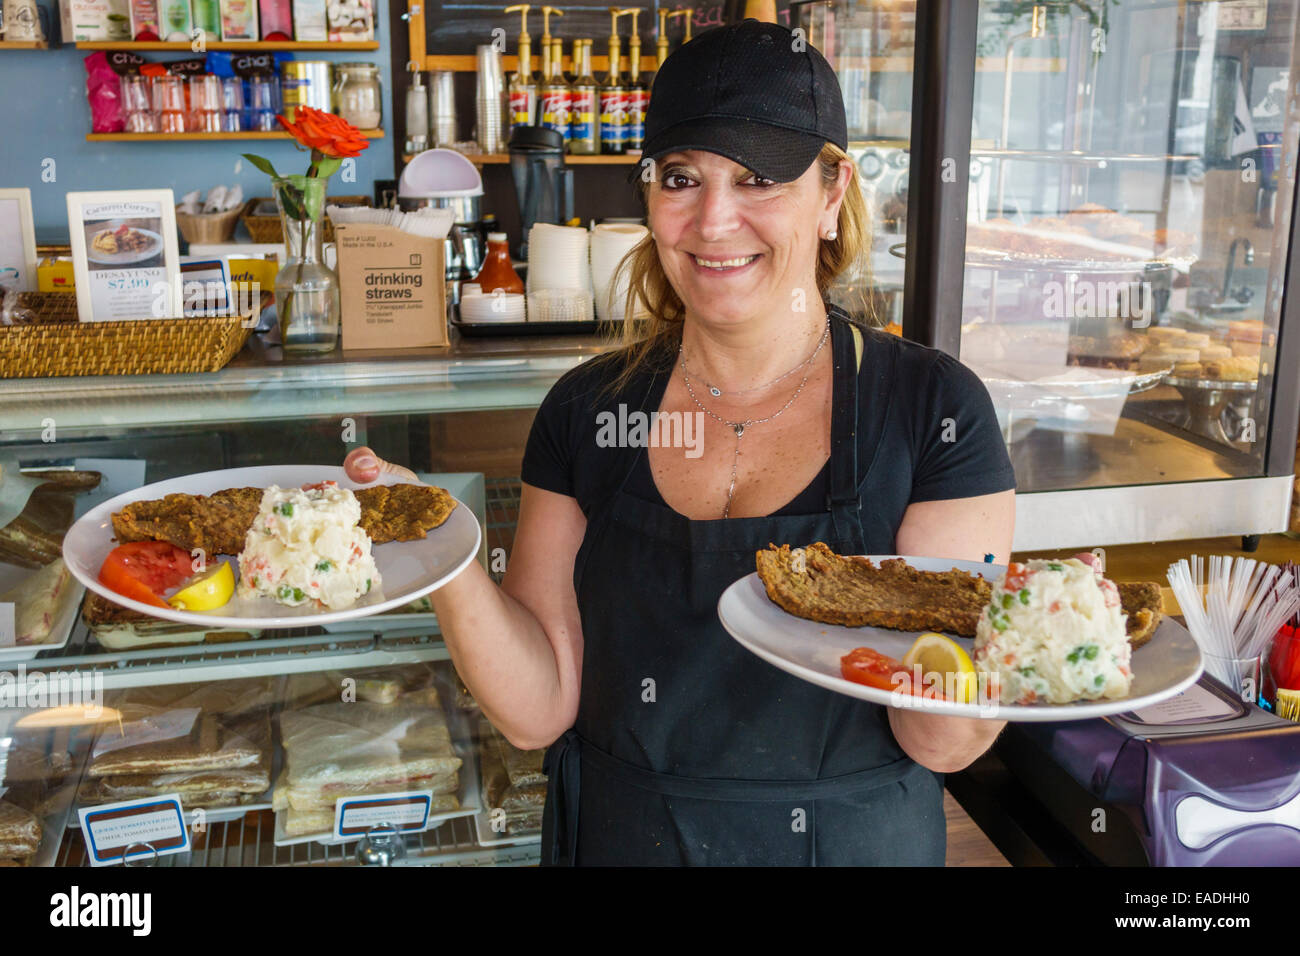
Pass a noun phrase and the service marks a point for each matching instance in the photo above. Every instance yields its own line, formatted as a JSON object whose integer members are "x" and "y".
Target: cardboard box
{"x": 392, "y": 287}
{"x": 55, "y": 275}
{"x": 350, "y": 20}
{"x": 100, "y": 20}
{"x": 309, "y": 23}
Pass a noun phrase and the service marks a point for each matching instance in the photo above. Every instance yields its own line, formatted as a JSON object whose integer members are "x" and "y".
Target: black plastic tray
{"x": 503, "y": 329}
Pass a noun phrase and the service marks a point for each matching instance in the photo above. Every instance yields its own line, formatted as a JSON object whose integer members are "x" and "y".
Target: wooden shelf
{"x": 25, "y": 45}
{"x": 469, "y": 64}
{"x": 250, "y": 45}
{"x": 570, "y": 159}
{"x": 464, "y": 63}
{"x": 186, "y": 137}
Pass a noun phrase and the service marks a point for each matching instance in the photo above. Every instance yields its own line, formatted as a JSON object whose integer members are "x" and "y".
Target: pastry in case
{"x": 212, "y": 743}
{"x": 513, "y": 781}
{"x": 20, "y": 835}
{"x": 118, "y": 628}
{"x": 353, "y": 747}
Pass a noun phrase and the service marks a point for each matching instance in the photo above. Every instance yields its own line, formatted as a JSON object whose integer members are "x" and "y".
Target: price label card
{"x": 1193, "y": 705}
{"x": 134, "y": 830}
{"x": 8, "y": 631}
{"x": 407, "y": 812}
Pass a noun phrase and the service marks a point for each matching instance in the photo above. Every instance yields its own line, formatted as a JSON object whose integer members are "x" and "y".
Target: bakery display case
{"x": 255, "y": 733}
{"x": 1119, "y": 249}
{"x": 249, "y": 738}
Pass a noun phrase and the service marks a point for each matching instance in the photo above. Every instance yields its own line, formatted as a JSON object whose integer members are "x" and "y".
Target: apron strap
{"x": 563, "y": 768}
{"x": 842, "y": 499}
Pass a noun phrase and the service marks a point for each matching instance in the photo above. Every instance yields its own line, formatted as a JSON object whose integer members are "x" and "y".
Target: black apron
{"x": 687, "y": 748}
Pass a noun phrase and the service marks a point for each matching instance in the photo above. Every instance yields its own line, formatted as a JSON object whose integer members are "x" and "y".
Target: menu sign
{"x": 124, "y": 254}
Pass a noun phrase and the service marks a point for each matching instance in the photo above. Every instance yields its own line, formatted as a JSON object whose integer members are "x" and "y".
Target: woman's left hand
{"x": 948, "y": 744}
{"x": 943, "y": 743}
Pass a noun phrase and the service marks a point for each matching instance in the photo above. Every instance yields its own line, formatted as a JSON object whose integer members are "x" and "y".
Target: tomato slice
{"x": 145, "y": 570}
{"x": 863, "y": 665}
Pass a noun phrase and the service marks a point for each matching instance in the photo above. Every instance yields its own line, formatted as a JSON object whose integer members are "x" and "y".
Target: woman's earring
{"x": 830, "y": 236}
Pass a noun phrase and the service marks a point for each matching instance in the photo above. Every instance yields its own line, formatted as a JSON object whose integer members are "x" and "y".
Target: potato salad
{"x": 1054, "y": 633}
{"x": 305, "y": 546}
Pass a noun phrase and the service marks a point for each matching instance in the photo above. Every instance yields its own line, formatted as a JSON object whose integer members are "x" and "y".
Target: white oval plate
{"x": 409, "y": 569}
{"x": 1166, "y": 665}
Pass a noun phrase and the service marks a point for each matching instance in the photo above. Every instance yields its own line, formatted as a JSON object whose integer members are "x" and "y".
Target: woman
{"x": 669, "y": 743}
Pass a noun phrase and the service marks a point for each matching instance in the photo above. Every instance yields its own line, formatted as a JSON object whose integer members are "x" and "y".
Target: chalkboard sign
{"x": 458, "y": 28}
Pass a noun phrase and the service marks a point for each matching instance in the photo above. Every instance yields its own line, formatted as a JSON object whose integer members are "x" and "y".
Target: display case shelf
{"x": 290, "y": 651}
{"x": 470, "y": 375}
{"x": 188, "y": 137}
{"x": 250, "y": 841}
{"x": 247, "y": 46}
{"x": 23, "y": 45}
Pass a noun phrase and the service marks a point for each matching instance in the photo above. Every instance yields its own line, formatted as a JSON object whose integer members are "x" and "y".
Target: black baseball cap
{"x": 753, "y": 92}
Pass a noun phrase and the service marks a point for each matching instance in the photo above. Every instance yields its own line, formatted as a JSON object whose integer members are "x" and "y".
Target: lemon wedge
{"x": 942, "y": 655}
{"x": 212, "y": 590}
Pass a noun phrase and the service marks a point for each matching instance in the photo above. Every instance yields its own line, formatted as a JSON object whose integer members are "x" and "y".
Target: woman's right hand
{"x": 363, "y": 466}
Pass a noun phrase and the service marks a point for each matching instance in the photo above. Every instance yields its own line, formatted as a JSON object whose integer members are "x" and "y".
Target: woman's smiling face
{"x": 735, "y": 245}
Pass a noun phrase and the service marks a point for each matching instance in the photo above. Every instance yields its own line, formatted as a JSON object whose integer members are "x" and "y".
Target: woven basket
{"x": 209, "y": 226}
{"x": 56, "y": 344}
{"x": 269, "y": 228}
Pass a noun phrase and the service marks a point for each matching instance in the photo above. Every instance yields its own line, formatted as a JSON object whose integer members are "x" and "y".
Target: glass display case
{"x": 1124, "y": 251}
{"x": 231, "y": 723}
{"x": 254, "y": 735}
{"x": 1113, "y": 259}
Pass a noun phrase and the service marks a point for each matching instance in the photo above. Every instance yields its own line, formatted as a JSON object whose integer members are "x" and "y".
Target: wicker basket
{"x": 209, "y": 226}
{"x": 269, "y": 228}
{"x": 55, "y": 343}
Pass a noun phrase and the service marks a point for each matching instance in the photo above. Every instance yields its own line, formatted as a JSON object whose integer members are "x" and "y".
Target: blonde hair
{"x": 651, "y": 292}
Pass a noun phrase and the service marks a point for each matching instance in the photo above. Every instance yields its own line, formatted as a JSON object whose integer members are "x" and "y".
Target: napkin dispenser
{"x": 1202, "y": 780}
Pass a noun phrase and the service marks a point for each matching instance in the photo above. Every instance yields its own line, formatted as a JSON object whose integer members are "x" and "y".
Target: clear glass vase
{"x": 306, "y": 290}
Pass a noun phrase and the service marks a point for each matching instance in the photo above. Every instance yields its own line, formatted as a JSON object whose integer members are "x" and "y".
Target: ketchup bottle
{"x": 497, "y": 272}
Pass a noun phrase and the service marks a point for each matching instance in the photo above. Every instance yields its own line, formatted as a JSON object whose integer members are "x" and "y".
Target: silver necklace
{"x": 739, "y": 427}
{"x": 718, "y": 393}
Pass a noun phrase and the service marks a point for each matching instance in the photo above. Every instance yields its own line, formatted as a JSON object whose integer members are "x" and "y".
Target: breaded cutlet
{"x": 1144, "y": 604}
{"x": 217, "y": 523}
{"x": 818, "y": 584}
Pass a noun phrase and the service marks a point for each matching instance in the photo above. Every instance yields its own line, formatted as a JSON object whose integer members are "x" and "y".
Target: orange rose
{"x": 325, "y": 133}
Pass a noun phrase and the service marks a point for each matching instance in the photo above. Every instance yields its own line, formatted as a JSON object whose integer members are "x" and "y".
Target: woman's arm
{"x": 517, "y": 647}
{"x": 964, "y": 529}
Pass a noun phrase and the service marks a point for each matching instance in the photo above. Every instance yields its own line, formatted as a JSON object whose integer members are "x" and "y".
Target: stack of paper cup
{"x": 557, "y": 258}
{"x": 489, "y": 101}
{"x": 442, "y": 108}
{"x": 500, "y": 306}
{"x": 610, "y": 242}
{"x": 559, "y": 305}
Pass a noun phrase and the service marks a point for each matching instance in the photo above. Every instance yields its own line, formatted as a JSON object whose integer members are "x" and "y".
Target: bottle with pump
{"x": 584, "y": 120}
{"x": 523, "y": 90}
{"x": 559, "y": 91}
{"x": 638, "y": 92}
{"x": 613, "y": 94}
{"x": 551, "y": 96}
{"x": 661, "y": 42}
